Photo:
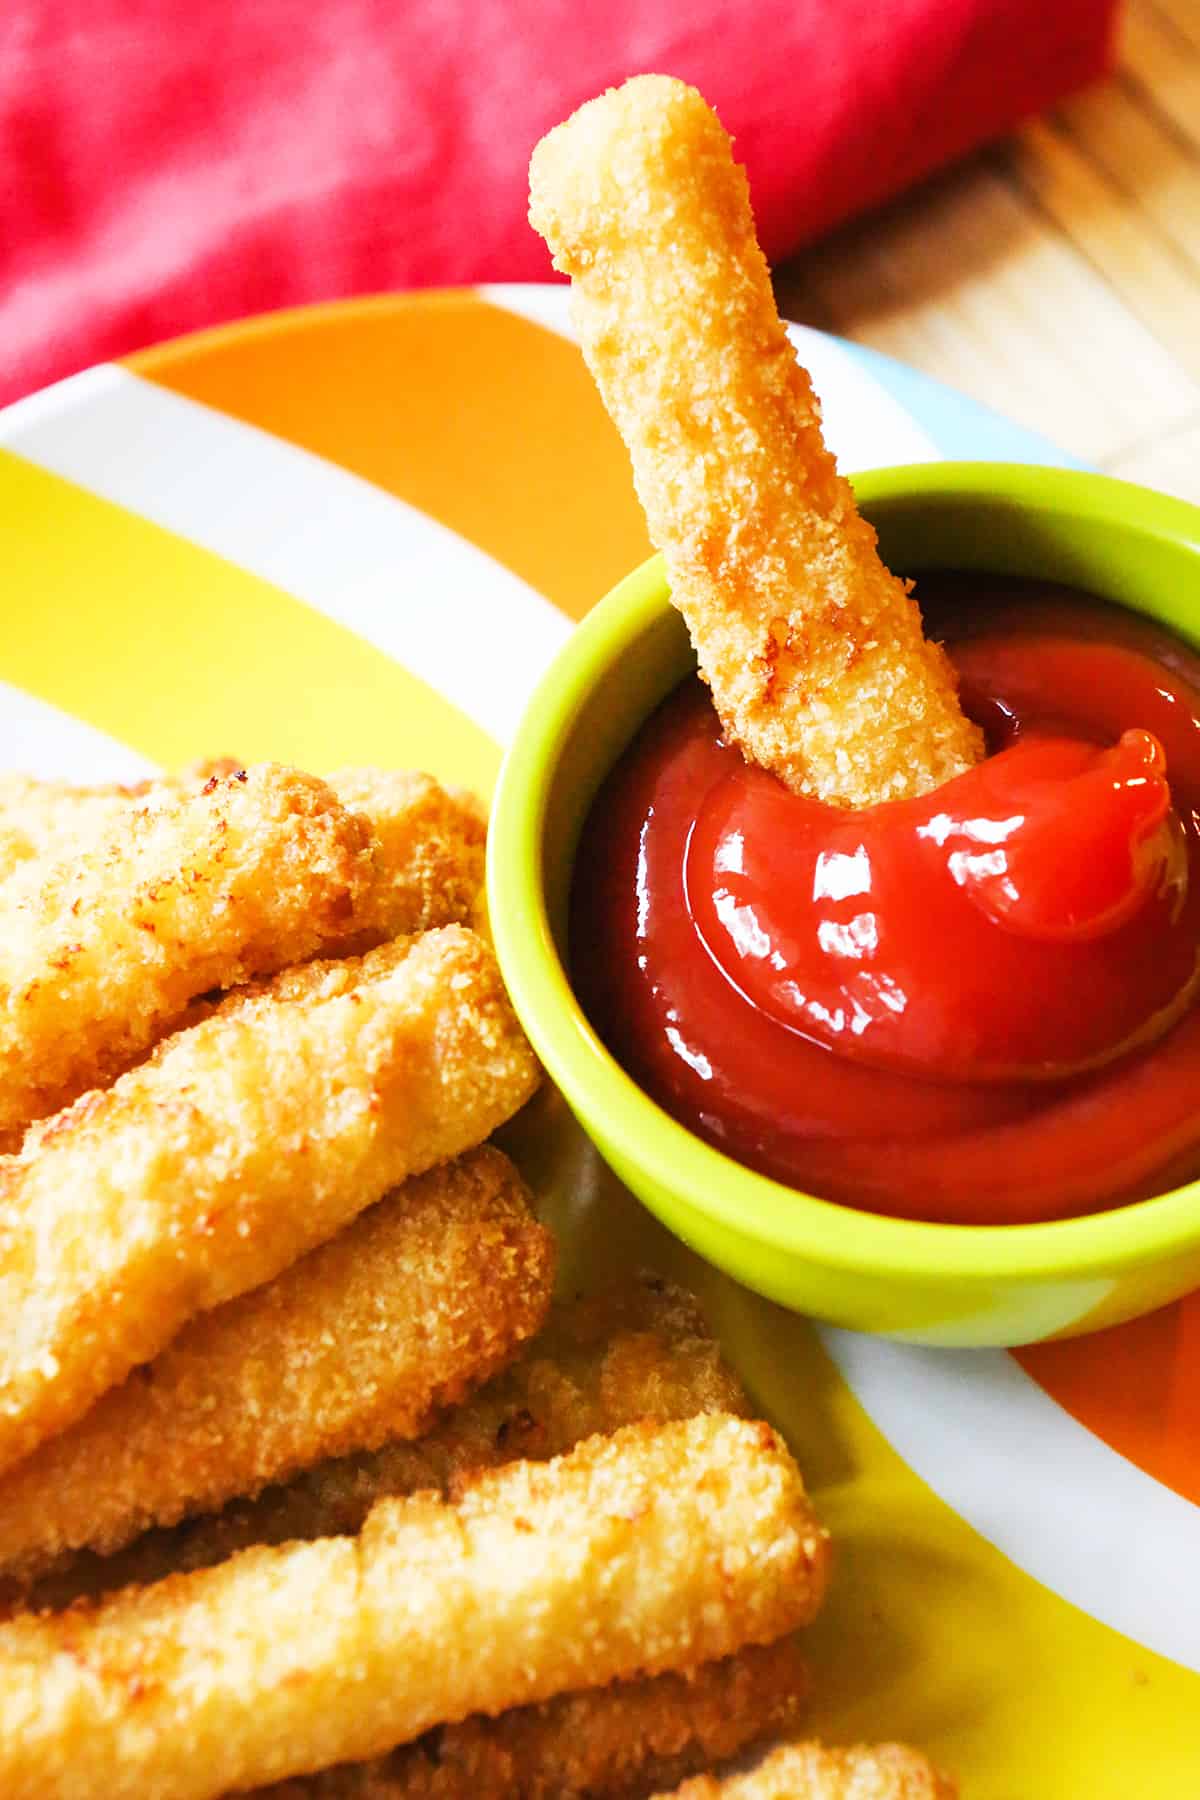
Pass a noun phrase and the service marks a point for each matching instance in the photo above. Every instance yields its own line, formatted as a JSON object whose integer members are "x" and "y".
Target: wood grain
{"x": 1055, "y": 276}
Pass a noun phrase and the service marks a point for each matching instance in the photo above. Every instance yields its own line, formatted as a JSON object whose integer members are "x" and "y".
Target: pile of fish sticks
{"x": 307, "y": 1484}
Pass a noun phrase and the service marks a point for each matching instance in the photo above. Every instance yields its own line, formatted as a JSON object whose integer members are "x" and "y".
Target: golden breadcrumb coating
{"x": 660, "y": 1548}
{"x": 427, "y": 851}
{"x": 187, "y": 892}
{"x": 643, "y": 1351}
{"x": 814, "y": 652}
{"x": 813, "y": 1772}
{"x": 324, "y": 978}
{"x": 51, "y": 819}
{"x": 430, "y": 848}
{"x": 599, "y": 1744}
{"x": 42, "y": 818}
{"x": 417, "y": 1301}
{"x": 234, "y": 1149}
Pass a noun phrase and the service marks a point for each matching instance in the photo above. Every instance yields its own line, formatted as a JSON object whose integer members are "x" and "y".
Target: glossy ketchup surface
{"x": 976, "y": 1005}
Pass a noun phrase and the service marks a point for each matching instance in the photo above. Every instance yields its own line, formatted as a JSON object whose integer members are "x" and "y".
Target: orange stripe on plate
{"x": 485, "y": 421}
{"x": 1137, "y": 1387}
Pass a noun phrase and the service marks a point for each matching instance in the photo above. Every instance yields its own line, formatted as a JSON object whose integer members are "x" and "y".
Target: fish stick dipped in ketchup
{"x": 814, "y": 652}
{"x": 831, "y": 863}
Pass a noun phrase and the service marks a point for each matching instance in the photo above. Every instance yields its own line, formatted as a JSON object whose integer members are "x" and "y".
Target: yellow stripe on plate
{"x": 179, "y": 653}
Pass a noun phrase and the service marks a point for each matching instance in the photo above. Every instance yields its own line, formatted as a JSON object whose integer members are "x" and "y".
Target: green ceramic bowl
{"x": 937, "y": 1284}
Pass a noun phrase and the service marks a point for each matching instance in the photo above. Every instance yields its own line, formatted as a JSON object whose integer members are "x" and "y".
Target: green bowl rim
{"x": 715, "y": 1185}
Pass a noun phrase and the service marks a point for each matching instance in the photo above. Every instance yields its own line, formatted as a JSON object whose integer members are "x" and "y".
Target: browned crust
{"x": 189, "y": 891}
{"x": 660, "y": 1548}
{"x": 430, "y": 847}
{"x": 416, "y": 1302}
{"x": 125, "y": 903}
{"x": 599, "y": 1744}
{"x": 239, "y": 1146}
{"x": 641, "y": 1351}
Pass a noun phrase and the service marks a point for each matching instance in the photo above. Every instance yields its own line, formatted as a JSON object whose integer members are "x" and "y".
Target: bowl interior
{"x": 1109, "y": 538}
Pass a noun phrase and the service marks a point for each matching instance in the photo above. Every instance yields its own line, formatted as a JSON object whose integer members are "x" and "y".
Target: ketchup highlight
{"x": 972, "y": 1006}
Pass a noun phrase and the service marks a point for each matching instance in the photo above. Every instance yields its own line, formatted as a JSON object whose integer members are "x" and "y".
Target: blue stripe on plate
{"x": 961, "y": 428}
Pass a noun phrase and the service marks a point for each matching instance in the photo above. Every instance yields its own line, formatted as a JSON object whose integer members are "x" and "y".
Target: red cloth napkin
{"x": 171, "y": 163}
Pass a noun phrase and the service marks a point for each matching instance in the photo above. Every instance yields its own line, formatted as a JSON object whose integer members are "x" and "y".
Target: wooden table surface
{"x": 1055, "y": 276}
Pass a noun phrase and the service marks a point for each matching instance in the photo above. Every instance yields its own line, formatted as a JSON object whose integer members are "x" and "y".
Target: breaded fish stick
{"x": 427, "y": 853}
{"x": 237, "y": 1147}
{"x": 657, "y": 1549}
{"x": 612, "y": 1741}
{"x": 812, "y": 1772}
{"x": 189, "y": 892}
{"x": 417, "y": 1301}
{"x": 814, "y": 652}
{"x": 641, "y": 1352}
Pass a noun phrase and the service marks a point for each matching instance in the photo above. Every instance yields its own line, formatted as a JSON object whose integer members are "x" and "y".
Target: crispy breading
{"x": 187, "y": 892}
{"x": 659, "y": 1548}
{"x": 813, "y": 1772}
{"x": 419, "y": 864}
{"x": 431, "y": 843}
{"x": 598, "y": 1744}
{"x": 52, "y": 819}
{"x": 814, "y": 652}
{"x": 323, "y": 978}
{"x": 642, "y": 1351}
{"x": 238, "y": 1146}
{"x": 417, "y": 1301}
{"x": 427, "y": 854}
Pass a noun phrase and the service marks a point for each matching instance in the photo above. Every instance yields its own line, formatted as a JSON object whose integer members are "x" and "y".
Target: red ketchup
{"x": 973, "y": 1006}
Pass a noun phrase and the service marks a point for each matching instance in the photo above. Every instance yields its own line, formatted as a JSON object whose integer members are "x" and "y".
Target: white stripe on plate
{"x": 1060, "y": 1503}
{"x": 442, "y": 607}
{"x": 37, "y": 739}
{"x": 865, "y": 427}
{"x": 544, "y": 303}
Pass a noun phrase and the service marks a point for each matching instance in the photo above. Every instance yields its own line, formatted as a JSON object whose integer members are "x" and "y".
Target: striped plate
{"x": 358, "y": 533}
